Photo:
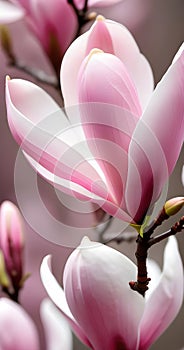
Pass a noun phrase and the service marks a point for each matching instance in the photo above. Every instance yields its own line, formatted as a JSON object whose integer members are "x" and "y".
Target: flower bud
{"x": 11, "y": 241}
{"x": 173, "y": 205}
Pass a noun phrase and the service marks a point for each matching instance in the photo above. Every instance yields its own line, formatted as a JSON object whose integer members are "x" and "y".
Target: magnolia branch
{"x": 143, "y": 245}
{"x": 82, "y": 16}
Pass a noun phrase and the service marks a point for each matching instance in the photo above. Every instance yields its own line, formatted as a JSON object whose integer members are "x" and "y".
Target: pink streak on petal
{"x": 28, "y": 105}
{"x": 57, "y": 295}
{"x": 165, "y": 300}
{"x": 17, "y": 330}
{"x": 100, "y": 298}
{"x": 103, "y": 78}
{"x": 99, "y": 38}
{"x": 154, "y": 138}
{"x": 127, "y": 51}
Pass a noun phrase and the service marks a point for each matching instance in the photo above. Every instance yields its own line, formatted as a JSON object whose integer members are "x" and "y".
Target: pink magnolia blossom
{"x": 12, "y": 240}
{"x": 53, "y": 22}
{"x": 112, "y": 148}
{"x": 100, "y": 306}
{"x": 18, "y": 332}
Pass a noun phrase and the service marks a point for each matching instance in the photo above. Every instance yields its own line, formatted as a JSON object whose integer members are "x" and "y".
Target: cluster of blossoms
{"x": 108, "y": 146}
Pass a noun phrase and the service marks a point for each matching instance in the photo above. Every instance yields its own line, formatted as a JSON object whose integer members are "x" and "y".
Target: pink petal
{"x": 96, "y": 283}
{"x": 46, "y": 136}
{"x": 154, "y": 149}
{"x": 99, "y": 38}
{"x": 46, "y": 19}
{"x": 55, "y": 146}
{"x": 57, "y": 331}
{"x": 166, "y": 299}
{"x": 123, "y": 46}
{"x": 57, "y": 295}
{"x": 103, "y": 78}
{"x": 17, "y": 330}
{"x": 10, "y": 13}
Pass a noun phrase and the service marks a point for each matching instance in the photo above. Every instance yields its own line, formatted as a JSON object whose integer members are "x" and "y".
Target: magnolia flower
{"x": 12, "y": 241}
{"x": 18, "y": 332}
{"x": 100, "y": 306}
{"x": 53, "y": 22}
{"x": 110, "y": 160}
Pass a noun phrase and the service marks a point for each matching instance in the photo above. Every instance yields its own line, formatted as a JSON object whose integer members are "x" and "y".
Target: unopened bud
{"x": 173, "y": 205}
{"x": 11, "y": 240}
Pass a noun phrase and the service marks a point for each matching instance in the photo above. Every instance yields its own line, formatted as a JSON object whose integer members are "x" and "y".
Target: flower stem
{"x": 81, "y": 15}
{"x": 143, "y": 245}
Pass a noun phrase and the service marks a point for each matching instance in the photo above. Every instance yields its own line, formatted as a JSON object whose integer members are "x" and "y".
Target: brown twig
{"x": 143, "y": 245}
{"x": 81, "y": 15}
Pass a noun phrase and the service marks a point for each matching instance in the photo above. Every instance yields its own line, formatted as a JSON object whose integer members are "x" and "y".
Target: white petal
{"x": 57, "y": 295}
{"x": 9, "y": 12}
{"x": 57, "y": 331}
{"x": 166, "y": 299}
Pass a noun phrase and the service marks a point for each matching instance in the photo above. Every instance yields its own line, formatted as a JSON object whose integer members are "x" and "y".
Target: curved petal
{"x": 96, "y": 283}
{"x": 163, "y": 118}
{"x": 45, "y": 134}
{"x": 54, "y": 145}
{"x": 165, "y": 300}
{"x": 103, "y": 84}
{"x": 57, "y": 331}
{"x": 17, "y": 330}
{"x": 103, "y": 78}
{"x": 122, "y": 44}
{"x": 10, "y": 13}
{"x": 57, "y": 295}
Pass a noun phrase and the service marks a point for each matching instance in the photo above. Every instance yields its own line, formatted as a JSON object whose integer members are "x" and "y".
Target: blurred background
{"x": 158, "y": 27}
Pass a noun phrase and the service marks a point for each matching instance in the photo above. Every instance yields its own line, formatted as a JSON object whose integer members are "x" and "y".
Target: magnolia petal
{"x": 96, "y": 283}
{"x": 10, "y": 13}
{"x": 163, "y": 118}
{"x": 165, "y": 300}
{"x": 45, "y": 134}
{"x": 46, "y": 19}
{"x": 154, "y": 272}
{"x": 103, "y": 84}
{"x": 103, "y": 78}
{"x": 17, "y": 330}
{"x": 57, "y": 331}
{"x": 57, "y": 295}
{"x": 123, "y": 46}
